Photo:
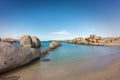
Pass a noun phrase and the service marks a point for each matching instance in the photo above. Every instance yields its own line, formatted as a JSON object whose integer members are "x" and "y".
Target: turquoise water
{"x": 73, "y": 52}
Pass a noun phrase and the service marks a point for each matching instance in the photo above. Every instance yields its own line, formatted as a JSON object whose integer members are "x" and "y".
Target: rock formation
{"x": 93, "y": 39}
{"x": 10, "y": 40}
{"x": 26, "y": 41}
{"x": 80, "y": 40}
{"x": 36, "y": 42}
{"x": 54, "y": 45}
{"x": 12, "y": 56}
{"x": 30, "y": 42}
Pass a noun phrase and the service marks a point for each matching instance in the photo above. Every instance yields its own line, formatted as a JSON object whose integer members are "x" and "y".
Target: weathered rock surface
{"x": 30, "y": 42}
{"x": 54, "y": 45}
{"x": 12, "y": 56}
{"x": 95, "y": 40}
{"x": 80, "y": 40}
{"x": 26, "y": 41}
{"x": 10, "y": 40}
{"x": 112, "y": 41}
{"x": 36, "y": 42}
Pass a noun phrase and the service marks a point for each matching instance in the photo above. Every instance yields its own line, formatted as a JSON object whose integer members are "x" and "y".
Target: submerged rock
{"x": 30, "y": 42}
{"x": 12, "y": 56}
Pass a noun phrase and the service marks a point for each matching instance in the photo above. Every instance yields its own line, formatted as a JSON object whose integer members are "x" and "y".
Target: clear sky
{"x": 59, "y": 19}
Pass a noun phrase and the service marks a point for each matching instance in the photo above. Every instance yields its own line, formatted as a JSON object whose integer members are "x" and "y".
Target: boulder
{"x": 30, "y": 42}
{"x": 36, "y": 42}
{"x": 10, "y": 40}
{"x": 80, "y": 40}
{"x": 26, "y": 41}
{"x": 54, "y": 44}
{"x": 93, "y": 39}
{"x": 12, "y": 56}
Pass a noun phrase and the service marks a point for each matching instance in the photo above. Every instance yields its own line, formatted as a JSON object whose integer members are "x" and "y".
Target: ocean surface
{"x": 69, "y": 61}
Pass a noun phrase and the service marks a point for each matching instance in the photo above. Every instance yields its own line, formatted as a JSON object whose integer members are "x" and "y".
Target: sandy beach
{"x": 111, "y": 72}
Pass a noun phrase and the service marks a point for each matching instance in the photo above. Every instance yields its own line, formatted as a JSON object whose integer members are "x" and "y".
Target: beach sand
{"x": 111, "y": 72}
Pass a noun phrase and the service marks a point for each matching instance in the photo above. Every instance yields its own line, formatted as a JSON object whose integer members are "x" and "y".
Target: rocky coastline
{"x": 12, "y": 56}
{"x": 94, "y": 40}
{"x": 10, "y": 40}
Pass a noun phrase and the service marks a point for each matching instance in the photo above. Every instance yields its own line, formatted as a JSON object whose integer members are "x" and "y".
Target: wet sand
{"x": 94, "y": 68}
{"x": 111, "y": 72}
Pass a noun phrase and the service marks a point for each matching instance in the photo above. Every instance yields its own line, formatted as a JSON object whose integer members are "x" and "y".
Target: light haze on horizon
{"x": 59, "y": 19}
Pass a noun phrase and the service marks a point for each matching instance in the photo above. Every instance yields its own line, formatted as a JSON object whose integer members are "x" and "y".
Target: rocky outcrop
{"x": 80, "y": 40}
{"x": 26, "y": 41}
{"x": 36, "y": 42}
{"x": 30, "y": 42}
{"x": 12, "y": 56}
{"x": 10, "y": 40}
{"x": 93, "y": 39}
{"x": 54, "y": 45}
{"x": 112, "y": 41}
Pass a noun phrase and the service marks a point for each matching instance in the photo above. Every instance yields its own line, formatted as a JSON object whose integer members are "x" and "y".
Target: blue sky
{"x": 59, "y": 19}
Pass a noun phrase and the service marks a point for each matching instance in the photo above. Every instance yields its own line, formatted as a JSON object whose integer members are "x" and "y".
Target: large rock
{"x": 12, "y": 56}
{"x": 10, "y": 40}
{"x": 54, "y": 44}
{"x": 80, "y": 40}
{"x": 36, "y": 42}
{"x": 26, "y": 41}
{"x": 30, "y": 42}
{"x": 93, "y": 39}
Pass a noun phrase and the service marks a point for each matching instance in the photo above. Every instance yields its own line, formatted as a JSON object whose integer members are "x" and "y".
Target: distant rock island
{"x": 94, "y": 40}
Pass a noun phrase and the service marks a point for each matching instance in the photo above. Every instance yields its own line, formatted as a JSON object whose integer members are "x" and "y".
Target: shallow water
{"x": 68, "y": 62}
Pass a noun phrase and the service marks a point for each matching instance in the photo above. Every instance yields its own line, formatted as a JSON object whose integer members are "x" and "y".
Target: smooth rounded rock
{"x": 54, "y": 44}
{"x": 36, "y": 42}
{"x": 26, "y": 41}
{"x": 12, "y": 56}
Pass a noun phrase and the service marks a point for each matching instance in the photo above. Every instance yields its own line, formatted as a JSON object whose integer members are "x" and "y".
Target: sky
{"x": 59, "y": 19}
